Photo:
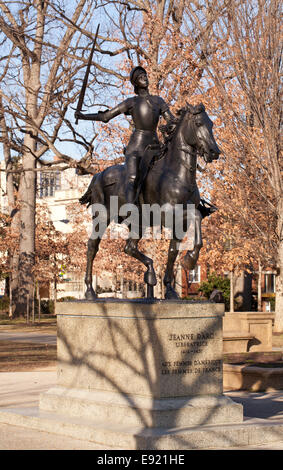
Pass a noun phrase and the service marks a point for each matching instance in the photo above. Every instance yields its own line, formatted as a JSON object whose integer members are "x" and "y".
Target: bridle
{"x": 186, "y": 148}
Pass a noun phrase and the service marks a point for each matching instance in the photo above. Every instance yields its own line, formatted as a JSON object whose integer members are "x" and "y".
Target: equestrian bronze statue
{"x": 154, "y": 174}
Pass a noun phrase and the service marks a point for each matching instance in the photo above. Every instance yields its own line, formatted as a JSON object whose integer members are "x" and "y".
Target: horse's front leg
{"x": 131, "y": 249}
{"x": 191, "y": 257}
{"x": 169, "y": 273}
{"x": 92, "y": 249}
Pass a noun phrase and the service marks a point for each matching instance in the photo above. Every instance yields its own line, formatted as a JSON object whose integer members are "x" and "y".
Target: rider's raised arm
{"x": 105, "y": 116}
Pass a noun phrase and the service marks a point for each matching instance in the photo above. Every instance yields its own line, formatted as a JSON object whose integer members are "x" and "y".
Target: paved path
{"x": 22, "y": 389}
{"x": 19, "y": 438}
{"x": 28, "y": 337}
{"x": 268, "y": 405}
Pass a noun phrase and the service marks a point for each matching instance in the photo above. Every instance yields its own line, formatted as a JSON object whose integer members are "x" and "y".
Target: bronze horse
{"x": 170, "y": 180}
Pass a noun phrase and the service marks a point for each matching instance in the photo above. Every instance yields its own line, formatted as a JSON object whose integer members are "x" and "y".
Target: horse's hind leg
{"x": 131, "y": 249}
{"x": 92, "y": 249}
{"x": 191, "y": 257}
{"x": 169, "y": 273}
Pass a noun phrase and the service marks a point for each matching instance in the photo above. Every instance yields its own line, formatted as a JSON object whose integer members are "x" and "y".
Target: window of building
{"x": 72, "y": 286}
{"x": 269, "y": 283}
{"x": 49, "y": 182}
{"x": 194, "y": 275}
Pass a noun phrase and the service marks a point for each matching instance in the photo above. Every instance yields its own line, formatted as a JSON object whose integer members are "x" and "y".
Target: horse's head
{"x": 199, "y": 133}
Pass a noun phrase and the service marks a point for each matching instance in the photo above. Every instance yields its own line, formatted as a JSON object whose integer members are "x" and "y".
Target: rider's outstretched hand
{"x": 79, "y": 115}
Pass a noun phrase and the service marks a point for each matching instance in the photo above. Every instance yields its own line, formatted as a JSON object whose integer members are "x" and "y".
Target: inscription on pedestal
{"x": 191, "y": 350}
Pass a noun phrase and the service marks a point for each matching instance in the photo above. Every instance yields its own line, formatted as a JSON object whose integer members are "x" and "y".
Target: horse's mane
{"x": 168, "y": 130}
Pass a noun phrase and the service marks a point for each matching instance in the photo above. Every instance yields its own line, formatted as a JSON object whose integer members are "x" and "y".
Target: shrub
{"x": 47, "y": 306}
{"x": 216, "y": 282}
{"x": 4, "y": 303}
{"x": 68, "y": 297}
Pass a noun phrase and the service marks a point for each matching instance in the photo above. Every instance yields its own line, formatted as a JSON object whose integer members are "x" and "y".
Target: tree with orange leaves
{"x": 243, "y": 87}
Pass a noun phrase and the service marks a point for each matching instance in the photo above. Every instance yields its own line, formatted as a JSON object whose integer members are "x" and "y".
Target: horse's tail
{"x": 87, "y": 196}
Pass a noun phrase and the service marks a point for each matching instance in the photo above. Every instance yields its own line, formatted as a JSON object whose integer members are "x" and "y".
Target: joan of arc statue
{"x": 145, "y": 110}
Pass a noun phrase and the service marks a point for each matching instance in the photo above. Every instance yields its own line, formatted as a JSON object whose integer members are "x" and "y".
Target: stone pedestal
{"x": 142, "y": 364}
{"x": 142, "y": 375}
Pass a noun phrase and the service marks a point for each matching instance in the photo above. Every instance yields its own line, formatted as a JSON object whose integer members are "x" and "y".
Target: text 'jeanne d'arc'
{"x": 190, "y": 336}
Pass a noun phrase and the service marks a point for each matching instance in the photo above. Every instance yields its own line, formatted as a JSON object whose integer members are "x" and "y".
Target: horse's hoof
{"x": 171, "y": 294}
{"x": 150, "y": 278}
{"x": 150, "y": 292}
{"x": 190, "y": 260}
{"x": 90, "y": 294}
{"x": 188, "y": 264}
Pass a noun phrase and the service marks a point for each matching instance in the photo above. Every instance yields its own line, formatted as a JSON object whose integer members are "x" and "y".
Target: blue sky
{"x": 86, "y": 128}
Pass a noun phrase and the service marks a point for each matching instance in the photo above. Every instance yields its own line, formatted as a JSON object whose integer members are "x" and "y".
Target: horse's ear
{"x": 199, "y": 108}
{"x": 190, "y": 107}
{"x": 180, "y": 111}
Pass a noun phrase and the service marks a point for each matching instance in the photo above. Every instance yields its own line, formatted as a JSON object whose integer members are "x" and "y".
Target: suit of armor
{"x": 145, "y": 111}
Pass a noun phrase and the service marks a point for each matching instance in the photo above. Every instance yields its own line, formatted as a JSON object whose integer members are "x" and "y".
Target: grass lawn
{"x": 16, "y": 356}
{"x": 47, "y": 324}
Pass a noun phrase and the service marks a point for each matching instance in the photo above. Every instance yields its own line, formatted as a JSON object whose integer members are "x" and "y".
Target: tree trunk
{"x": 11, "y": 299}
{"x": 259, "y": 297}
{"x": 231, "y": 292}
{"x": 27, "y": 193}
{"x": 278, "y": 324}
{"x": 13, "y": 212}
{"x": 14, "y": 269}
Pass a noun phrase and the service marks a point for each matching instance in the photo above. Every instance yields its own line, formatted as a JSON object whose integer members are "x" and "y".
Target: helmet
{"x": 136, "y": 71}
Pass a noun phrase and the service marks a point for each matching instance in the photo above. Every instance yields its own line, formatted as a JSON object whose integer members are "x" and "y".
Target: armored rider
{"x": 145, "y": 110}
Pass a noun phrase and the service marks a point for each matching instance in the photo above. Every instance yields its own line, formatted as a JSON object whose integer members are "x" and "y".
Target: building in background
{"x": 58, "y": 189}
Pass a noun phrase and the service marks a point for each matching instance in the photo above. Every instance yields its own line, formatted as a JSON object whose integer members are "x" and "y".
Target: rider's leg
{"x": 131, "y": 247}
{"x": 132, "y": 161}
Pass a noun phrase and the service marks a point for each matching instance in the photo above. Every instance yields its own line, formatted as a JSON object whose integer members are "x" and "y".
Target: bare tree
{"x": 12, "y": 202}
{"x": 40, "y": 59}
